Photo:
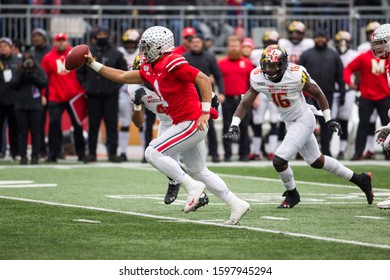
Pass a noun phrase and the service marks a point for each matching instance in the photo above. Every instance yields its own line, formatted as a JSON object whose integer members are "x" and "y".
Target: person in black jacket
{"x": 326, "y": 68}
{"x": 205, "y": 61}
{"x": 28, "y": 82}
{"x": 8, "y": 65}
{"x": 40, "y": 48}
{"x": 102, "y": 96}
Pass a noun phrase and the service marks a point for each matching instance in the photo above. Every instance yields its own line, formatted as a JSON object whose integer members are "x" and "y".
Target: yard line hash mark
{"x": 371, "y": 217}
{"x": 87, "y": 221}
{"x": 294, "y": 234}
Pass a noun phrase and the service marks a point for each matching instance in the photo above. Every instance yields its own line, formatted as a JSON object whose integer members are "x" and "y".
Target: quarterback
{"x": 173, "y": 80}
{"x": 282, "y": 83}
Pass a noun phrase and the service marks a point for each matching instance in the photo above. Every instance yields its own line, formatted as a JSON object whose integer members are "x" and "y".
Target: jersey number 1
{"x": 280, "y": 101}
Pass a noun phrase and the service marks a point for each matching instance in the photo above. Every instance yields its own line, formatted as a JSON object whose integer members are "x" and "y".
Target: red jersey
{"x": 63, "y": 84}
{"x": 236, "y": 75}
{"x": 179, "y": 50}
{"x": 388, "y": 71}
{"x": 373, "y": 80}
{"x": 173, "y": 80}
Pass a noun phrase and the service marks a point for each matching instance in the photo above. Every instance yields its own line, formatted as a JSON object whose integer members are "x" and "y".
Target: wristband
{"x": 327, "y": 115}
{"x": 206, "y": 107}
{"x": 96, "y": 66}
{"x": 236, "y": 121}
{"x": 137, "y": 107}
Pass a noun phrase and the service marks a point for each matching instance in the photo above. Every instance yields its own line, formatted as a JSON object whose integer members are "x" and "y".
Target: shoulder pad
{"x": 175, "y": 61}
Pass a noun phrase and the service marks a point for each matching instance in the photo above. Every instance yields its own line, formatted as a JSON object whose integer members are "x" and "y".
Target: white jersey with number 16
{"x": 287, "y": 94}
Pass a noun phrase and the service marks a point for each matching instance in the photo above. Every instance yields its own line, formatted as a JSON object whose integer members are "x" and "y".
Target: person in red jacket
{"x": 63, "y": 86}
{"x": 236, "y": 70}
{"x": 187, "y": 34}
{"x": 375, "y": 94}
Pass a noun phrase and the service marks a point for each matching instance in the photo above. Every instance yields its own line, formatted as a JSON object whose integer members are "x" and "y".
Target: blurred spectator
{"x": 236, "y": 71}
{"x": 129, "y": 49}
{"x": 103, "y": 96}
{"x": 17, "y": 47}
{"x": 28, "y": 82}
{"x": 76, "y": 3}
{"x": 247, "y": 47}
{"x": 187, "y": 34}
{"x": 39, "y": 10}
{"x": 375, "y": 94}
{"x": 369, "y": 151}
{"x": 208, "y": 44}
{"x": 8, "y": 65}
{"x": 218, "y": 27}
{"x": 39, "y": 49}
{"x": 325, "y": 66}
{"x": 206, "y": 62}
{"x": 343, "y": 105}
{"x": 63, "y": 86}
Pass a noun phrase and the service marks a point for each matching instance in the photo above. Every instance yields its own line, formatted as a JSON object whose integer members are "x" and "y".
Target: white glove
{"x": 383, "y": 132}
{"x": 386, "y": 144}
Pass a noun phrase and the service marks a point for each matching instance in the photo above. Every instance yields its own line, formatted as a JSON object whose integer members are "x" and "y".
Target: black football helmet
{"x": 273, "y": 63}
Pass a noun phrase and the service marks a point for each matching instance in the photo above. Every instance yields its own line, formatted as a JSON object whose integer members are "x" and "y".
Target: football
{"x": 75, "y": 58}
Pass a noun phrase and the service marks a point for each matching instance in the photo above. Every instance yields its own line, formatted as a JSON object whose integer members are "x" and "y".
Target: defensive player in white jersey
{"x": 262, "y": 105}
{"x": 342, "y": 105}
{"x": 282, "y": 83}
{"x": 129, "y": 49}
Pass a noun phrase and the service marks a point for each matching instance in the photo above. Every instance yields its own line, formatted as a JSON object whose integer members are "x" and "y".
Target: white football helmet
{"x": 156, "y": 41}
{"x": 380, "y": 41}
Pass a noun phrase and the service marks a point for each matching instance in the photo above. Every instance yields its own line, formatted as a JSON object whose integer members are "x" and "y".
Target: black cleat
{"x": 292, "y": 199}
{"x": 172, "y": 192}
{"x": 364, "y": 183}
{"x": 203, "y": 200}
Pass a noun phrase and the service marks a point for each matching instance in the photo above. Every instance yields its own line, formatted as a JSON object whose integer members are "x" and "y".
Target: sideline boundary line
{"x": 301, "y": 235}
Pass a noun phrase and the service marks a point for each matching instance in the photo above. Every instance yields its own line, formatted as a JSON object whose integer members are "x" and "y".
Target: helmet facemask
{"x": 380, "y": 41}
{"x": 155, "y": 41}
{"x": 273, "y": 63}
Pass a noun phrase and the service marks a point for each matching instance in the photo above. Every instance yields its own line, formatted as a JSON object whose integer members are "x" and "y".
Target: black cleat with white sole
{"x": 292, "y": 199}
{"x": 172, "y": 192}
{"x": 363, "y": 181}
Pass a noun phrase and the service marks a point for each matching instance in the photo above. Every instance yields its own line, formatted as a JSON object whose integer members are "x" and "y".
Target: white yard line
{"x": 315, "y": 237}
{"x": 275, "y": 218}
{"x": 29, "y": 186}
{"x": 10, "y": 182}
{"x": 371, "y": 217}
{"x": 86, "y": 221}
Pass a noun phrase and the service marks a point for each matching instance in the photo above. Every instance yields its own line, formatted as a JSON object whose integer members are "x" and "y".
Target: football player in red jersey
{"x": 173, "y": 80}
{"x": 380, "y": 46}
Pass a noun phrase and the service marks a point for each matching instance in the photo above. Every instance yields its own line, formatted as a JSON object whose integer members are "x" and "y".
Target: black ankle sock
{"x": 354, "y": 178}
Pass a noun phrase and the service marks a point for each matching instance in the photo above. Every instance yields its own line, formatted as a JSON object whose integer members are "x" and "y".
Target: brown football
{"x": 75, "y": 58}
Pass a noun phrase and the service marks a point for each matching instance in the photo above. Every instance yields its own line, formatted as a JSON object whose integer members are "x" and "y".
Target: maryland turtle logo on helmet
{"x": 273, "y": 63}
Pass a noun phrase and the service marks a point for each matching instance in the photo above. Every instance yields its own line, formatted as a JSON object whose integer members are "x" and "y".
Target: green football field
{"x": 116, "y": 212}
